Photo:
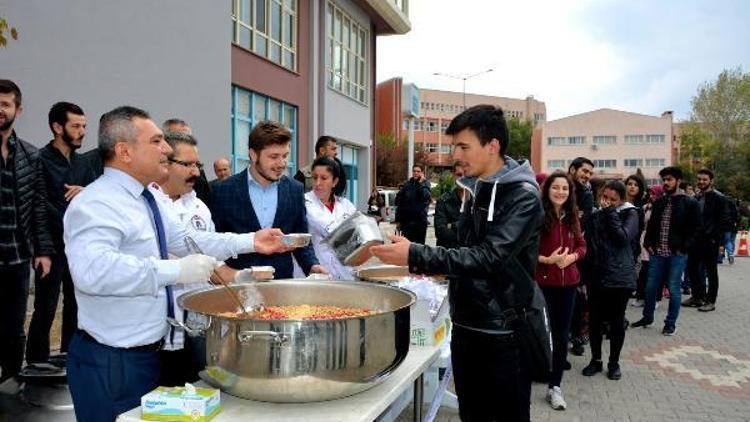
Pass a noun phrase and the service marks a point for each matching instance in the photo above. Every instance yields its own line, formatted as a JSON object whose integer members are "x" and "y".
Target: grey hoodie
{"x": 512, "y": 172}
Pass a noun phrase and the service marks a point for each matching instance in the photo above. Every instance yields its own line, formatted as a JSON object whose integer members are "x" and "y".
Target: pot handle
{"x": 246, "y": 336}
{"x": 192, "y": 332}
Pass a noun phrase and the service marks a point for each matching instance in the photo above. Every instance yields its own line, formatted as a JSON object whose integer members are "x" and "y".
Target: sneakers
{"x": 577, "y": 349}
{"x": 613, "y": 371}
{"x": 693, "y": 302}
{"x": 731, "y": 259}
{"x": 555, "y": 398}
{"x": 592, "y": 368}
{"x": 669, "y": 330}
{"x": 643, "y": 322}
{"x": 638, "y": 303}
{"x": 707, "y": 307}
{"x": 567, "y": 366}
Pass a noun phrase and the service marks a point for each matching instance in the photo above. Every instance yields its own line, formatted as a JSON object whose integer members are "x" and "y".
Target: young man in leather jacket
{"x": 498, "y": 242}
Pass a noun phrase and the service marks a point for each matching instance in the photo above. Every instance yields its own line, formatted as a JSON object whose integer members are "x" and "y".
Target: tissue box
{"x": 180, "y": 404}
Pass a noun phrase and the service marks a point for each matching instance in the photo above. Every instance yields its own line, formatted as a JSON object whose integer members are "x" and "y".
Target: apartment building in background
{"x": 222, "y": 66}
{"x": 437, "y": 109}
{"x": 618, "y": 142}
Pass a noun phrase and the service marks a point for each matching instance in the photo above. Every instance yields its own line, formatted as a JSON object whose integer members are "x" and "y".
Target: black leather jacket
{"x": 492, "y": 257}
{"x": 715, "y": 217}
{"x": 615, "y": 247}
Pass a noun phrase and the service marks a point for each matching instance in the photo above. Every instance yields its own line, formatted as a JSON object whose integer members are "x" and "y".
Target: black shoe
{"x": 613, "y": 371}
{"x": 693, "y": 302}
{"x": 669, "y": 330}
{"x": 643, "y": 322}
{"x": 707, "y": 307}
{"x": 567, "y": 366}
{"x": 592, "y": 368}
{"x": 577, "y": 349}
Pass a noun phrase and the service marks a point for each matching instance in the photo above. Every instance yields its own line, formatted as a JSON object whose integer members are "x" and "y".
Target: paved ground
{"x": 700, "y": 374}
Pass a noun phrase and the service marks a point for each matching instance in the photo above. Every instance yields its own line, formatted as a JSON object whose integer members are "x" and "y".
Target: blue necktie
{"x": 162, "y": 238}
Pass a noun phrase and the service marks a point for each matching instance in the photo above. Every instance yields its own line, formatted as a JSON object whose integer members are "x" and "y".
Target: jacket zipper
{"x": 562, "y": 242}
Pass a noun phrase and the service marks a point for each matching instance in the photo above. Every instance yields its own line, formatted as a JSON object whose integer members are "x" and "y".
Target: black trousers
{"x": 705, "y": 254}
{"x": 181, "y": 366}
{"x": 492, "y": 379}
{"x": 560, "y": 302}
{"x": 607, "y": 305}
{"x": 578, "y": 322}
{"x": 46, "y": 296}
{"x": 106, "y": 381}
{"x": 14, "y": 280}
{"x": 415, "y": 232}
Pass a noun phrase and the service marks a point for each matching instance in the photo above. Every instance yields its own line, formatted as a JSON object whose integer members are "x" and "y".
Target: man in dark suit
{"x": 263, "y": 196}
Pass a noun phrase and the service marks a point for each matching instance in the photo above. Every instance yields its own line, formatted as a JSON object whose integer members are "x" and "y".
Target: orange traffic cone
{"x": 742, "y": 250}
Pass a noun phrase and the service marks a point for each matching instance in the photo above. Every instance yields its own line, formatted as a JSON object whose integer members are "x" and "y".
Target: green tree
{"x": 392, "y": 159}
{"x": 6, "y": 30}
{"x": 717, "y": 136}
{"x": 520, "y": 137}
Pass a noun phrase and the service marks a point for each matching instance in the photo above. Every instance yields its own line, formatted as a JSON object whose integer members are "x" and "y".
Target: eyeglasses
{"x": 196, "y": 164}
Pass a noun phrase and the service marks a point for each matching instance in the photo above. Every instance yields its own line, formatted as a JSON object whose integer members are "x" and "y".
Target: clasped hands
{"x": 562, "y": 258}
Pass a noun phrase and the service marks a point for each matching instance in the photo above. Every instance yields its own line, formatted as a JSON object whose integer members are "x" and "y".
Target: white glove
{"x": 244, "y": 276}
{"x": 196, "y": 269}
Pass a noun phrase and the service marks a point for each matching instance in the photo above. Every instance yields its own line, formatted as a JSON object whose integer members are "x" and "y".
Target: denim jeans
{"x": 729, "y": 239}
{"x": 659, "y": 266}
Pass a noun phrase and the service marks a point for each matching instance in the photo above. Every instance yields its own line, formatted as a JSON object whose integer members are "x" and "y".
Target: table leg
{"x": 418, "y": 397}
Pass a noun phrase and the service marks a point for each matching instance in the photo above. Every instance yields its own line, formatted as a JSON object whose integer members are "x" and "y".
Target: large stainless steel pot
{"x": 302, "y": 361}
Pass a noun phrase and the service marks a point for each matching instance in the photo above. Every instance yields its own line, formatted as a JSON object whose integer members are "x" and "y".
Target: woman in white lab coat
{"x": 326, "y": 210}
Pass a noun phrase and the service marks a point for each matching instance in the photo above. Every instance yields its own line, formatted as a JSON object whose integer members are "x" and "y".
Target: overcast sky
{"x": 642, "y": 56}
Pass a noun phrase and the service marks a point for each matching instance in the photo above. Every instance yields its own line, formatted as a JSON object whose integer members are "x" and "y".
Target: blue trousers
{"x": 106, "y": 381}
{"x": 672, "y": 267}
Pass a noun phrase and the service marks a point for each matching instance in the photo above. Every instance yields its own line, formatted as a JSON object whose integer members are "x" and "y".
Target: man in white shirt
{"x": 117, "y": 242}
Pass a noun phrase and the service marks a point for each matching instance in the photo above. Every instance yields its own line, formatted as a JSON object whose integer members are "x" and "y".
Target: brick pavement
{"x": 700, "y": 374}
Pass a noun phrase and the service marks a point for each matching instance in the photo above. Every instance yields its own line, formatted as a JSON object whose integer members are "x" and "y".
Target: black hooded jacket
{"x": 498, "y": 249}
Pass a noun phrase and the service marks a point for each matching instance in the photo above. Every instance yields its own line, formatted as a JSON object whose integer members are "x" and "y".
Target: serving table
{"x": 365, "y": 406}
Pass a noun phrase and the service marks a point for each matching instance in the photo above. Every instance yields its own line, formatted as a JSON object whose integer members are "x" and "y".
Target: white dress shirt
{"x": 112, "y": 250}
{"x": 191, "y": 211}
{"x": 320, "y": 223}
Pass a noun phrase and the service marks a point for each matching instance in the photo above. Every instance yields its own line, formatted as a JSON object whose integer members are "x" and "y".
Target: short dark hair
{"x": 173, "y": 121}
{"x": 268, "y": 133}
{"x": 323, "y": 142}
{"x": 486, "y": 121}
{"x": 618, "y": 187}
{"x": 59, "y": 113}
{"x": 176, "y": 138}
{"x": 116, "y": 126}
{"x": 421, "y": 167}
{"x": 336, "y": 168}
{"x": 9, "y": 87}
{"x": 707, "y": 172}
{"x": 673, "y": 171}
{"x": 578, "y": 162}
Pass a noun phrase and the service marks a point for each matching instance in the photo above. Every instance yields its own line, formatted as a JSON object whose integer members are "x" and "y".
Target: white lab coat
{"x": 321, "y": 222}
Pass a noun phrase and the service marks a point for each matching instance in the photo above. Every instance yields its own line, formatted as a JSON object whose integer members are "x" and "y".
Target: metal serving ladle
{"x": 194, "y": 248}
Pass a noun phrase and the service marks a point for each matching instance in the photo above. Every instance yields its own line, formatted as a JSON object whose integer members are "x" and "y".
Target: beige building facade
{"x": 618, "y": 142}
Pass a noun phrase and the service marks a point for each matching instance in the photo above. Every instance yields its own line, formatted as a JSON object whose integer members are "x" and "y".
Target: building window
{"x": 445, "y": 149}
{"x": 555, "y": 140}
{"x": 655, "y": 162}
{"x": 576, "y": 140}
{"x": 431, "y": 147}
{"x": 653, "y": 182}
{"x": 406, "y": 124}
{"x": 249, "y": 108}
{"x": 605, "y": 140}
{"x": 605, "y": 164}
{"x": 349, "y": 158}
{"x": 654, "y": 139}
{"x": 633, "y": 139}
{"x": 633, "y": 162}
{"x": 267, "y": 28}
{"x": 346, "y": 55}
{"x": 555, "y": 164}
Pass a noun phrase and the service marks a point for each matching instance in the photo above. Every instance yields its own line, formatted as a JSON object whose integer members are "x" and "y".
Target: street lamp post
{"x": 463, "y": 78}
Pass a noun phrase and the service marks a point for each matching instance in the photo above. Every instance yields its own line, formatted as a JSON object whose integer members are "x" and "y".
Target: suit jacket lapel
{"x": 247, "y": 211}
{"x": 282, "y": 202}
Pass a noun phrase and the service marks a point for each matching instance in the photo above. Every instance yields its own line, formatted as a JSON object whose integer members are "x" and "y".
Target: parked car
{"x": 389, "y": 212}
